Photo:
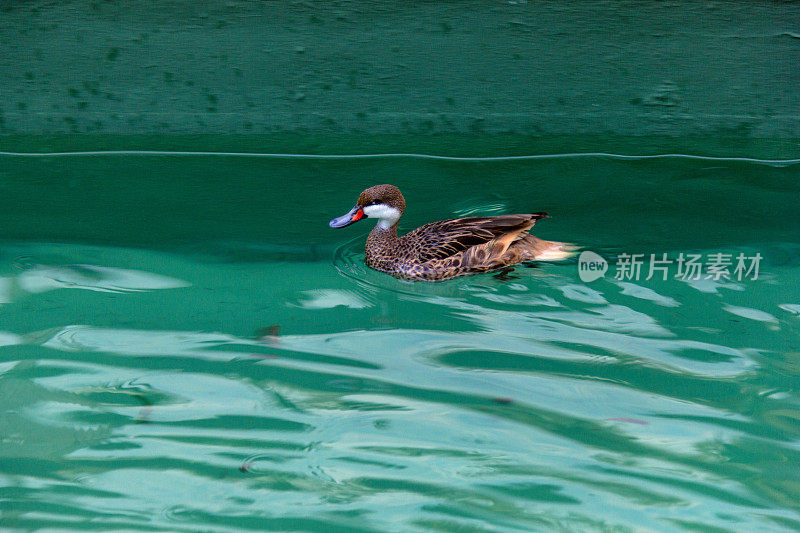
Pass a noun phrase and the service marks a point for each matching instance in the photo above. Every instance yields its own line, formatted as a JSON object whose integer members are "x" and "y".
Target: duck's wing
{"x": 445, "y": 238}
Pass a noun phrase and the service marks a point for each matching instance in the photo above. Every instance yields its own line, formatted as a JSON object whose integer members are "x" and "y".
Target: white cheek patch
{"x": 387, "y": 215}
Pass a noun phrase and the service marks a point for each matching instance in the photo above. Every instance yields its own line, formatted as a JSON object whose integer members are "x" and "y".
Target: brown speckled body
{"x": 450, "y": 248}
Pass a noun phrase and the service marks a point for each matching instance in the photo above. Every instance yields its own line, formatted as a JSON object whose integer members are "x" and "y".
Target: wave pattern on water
{"x": 199, "y": 373}
{"x": 531, "y": 404}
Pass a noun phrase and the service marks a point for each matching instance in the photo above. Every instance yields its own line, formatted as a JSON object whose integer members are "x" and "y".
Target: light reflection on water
{"x": 216, "y": 379}
{"x": 525, "y": 404}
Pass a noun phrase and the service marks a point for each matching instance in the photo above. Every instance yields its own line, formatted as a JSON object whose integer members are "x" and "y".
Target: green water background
{"x": 187, "y": 345}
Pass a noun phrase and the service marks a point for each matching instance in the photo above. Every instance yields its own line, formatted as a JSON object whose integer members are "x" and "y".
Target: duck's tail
{"x": 536, "y": 249}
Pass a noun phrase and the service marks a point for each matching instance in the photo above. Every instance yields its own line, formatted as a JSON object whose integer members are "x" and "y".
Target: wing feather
{"x": 445, "y": 238}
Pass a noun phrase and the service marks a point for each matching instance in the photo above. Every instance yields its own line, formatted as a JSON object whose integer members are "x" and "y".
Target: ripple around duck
{"x": 348, "y": 260}
{"x": 349, "y": 263}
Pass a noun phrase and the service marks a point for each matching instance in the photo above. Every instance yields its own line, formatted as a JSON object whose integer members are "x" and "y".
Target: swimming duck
{"x": 447, "y": 248}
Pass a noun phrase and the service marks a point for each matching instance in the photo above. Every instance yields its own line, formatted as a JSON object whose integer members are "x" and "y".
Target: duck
{"x": 447, "y": 248}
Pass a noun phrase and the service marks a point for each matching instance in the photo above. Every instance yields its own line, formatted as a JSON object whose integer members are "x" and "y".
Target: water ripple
{"x": 532, "y": 404}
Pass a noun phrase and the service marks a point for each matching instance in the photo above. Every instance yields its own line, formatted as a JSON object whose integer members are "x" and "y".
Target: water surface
{"x": 185, "y": 345}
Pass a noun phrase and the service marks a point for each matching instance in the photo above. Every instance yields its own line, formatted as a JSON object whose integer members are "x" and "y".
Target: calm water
{"x": 185, "y": 345}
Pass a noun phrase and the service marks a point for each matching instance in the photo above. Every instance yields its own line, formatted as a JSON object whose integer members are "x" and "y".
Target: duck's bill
{"x": 354, "y": 215}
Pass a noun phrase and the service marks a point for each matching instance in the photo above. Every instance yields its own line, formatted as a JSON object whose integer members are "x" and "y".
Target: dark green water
{"x": 186, "y": 345}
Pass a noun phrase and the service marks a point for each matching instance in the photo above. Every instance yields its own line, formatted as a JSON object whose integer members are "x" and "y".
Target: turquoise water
{"x": 185, "y": 345}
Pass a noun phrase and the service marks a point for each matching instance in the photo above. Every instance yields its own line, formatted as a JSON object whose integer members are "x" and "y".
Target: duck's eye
{"x": 375, "y": 202}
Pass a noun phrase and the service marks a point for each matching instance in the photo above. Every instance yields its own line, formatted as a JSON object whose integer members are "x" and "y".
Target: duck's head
{"x": 383, "y": 202}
